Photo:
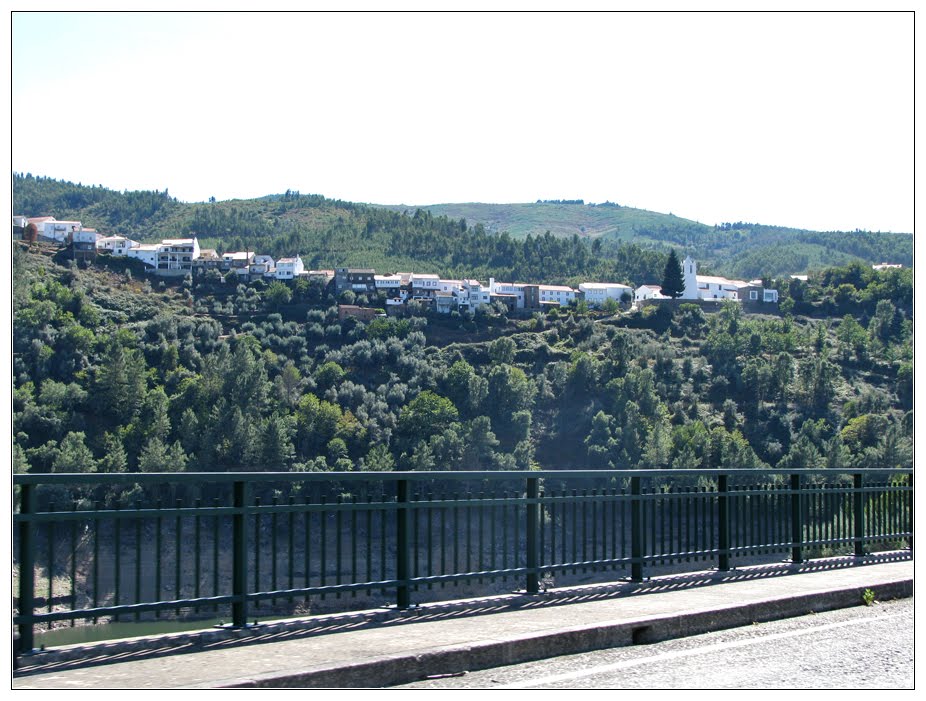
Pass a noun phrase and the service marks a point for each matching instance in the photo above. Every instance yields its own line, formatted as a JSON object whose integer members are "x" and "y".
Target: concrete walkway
{"x": 386, "y": 647}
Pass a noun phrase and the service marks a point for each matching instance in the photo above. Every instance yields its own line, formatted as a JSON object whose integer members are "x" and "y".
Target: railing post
{"x": 403, "y": 598}
{"x": 533, "y": 523}
{"x": 797, "y": 520}
{"x": 636, "y": 531}
{"x": 910, "y": 512}
{"x": 858, "y": 515}
{"x": 240, "y": 556}
{"x": 26, "y": 568}
{"x": 723, "y": 526}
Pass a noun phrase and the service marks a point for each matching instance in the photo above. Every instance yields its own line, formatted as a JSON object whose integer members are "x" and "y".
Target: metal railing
{"x": 133, "y": 547}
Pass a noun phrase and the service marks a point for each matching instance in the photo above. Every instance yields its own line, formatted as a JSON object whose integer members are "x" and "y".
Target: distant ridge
{"x": 628, "y": 242}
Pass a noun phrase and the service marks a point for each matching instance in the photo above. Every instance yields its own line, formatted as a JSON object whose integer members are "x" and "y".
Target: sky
{"x": 794, "y": 119}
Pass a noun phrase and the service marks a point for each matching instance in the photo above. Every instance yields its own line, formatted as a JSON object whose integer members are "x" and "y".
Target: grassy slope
{"x": 519, "y": 220}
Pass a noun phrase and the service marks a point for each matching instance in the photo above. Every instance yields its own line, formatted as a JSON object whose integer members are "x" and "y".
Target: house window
{"x": 753, "y": 294}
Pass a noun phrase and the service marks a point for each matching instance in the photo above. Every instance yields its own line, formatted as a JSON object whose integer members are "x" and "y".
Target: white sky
{"x": 803, "y": 120}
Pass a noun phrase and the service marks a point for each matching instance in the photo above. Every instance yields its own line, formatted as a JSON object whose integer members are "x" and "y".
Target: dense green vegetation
{"x": 115, "y": 372}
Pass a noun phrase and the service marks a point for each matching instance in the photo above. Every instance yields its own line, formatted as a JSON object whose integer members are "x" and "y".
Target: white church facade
{"x": 709, "y": 287}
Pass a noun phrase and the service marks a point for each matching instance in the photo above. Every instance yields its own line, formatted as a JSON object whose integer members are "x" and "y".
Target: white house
{"x": 170, "y": 257}
{"x": 88, "y": 236}
{"x": 449, "y": 287}
{"x": 60, "y": 231}
{"x": 556, "y": 294}
{"x": 509, "y": 289}
{"x": 473, "y": 294}
{"x": 644, "y": 292}
{"x": 390, "y": 284}
{"x": 597, "y": 292}
{"x": 424, "y": 284}
{"x": 261, "y": 265}
{"x": 237, "y": 259}
{"x": 176, "y": 256}
{"x": 289, "y": 268}
{"x": 117, "y": 245}
{"x": 147, "y": 253}
{"x": 39, "y": 223}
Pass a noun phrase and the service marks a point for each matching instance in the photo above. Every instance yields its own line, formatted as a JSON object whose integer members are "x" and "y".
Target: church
{"x": 709, "y": 287}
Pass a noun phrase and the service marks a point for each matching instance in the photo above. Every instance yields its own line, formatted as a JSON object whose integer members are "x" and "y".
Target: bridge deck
{"x": 385, "y": 646}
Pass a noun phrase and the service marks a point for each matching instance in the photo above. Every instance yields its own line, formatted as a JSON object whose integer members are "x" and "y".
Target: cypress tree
{"x": 673, "y": 284}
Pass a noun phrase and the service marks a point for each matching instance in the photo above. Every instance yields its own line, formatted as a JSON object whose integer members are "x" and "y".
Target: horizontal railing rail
{"x": 107, "y": 548}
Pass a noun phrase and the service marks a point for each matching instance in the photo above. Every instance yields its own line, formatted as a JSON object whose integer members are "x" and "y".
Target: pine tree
{"x": 673, "y": 284}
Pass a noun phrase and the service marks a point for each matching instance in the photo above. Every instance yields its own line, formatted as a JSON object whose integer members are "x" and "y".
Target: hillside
{"x": 739, "y": 250}
{"x": 115, "y": 372}
{"x": 506, "y": 241}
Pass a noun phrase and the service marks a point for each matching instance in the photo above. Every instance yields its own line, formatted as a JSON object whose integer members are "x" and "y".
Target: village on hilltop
{"x": 183, "y": 256}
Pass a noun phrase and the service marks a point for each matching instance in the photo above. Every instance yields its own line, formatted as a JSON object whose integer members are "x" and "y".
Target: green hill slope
{"x": 740, "y": 249}
{"x": 538, "y": 242}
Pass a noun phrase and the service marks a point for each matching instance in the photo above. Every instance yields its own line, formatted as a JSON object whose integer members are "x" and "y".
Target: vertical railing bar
{"x": 614, "y": 506}
{"x": 138, "y": 551}
{"x": 403, "y": 599}
{"x": 73, "y": 562}
{"x": 530, "y": 527}
{"x": 369, "y": 531}
{"x": 27, "y": 507}
{"x": 258, "y": 522}
{"x": 456, "y": 538}
{"x": 197, "y": 527}
{"x": 323, "y": 527}
{"x": 216, "y": 535}
{"x": 636, "y": 531}
{"x": 623, "y": 526}
{"x": 663, "y": 551}
{"x": 564, "y": 510}
{"x": 307, "y": 541}
{"x": 575, "y": 528}
{"x": 584, "y": 539}
{"x": 273, "y": 549}
{"x": 158, "y": 554}
{"x": 542, "y": 530}
{"x": 291, "y": 517}
{"x": 797, "y": 527}
{"x": 516, "y": 550}
{"x": 416, "y": 545}
{"x": 51, "y": 563}
{"x": 604, "y": 525}
{"x": 430, "y": 518}
{"x": 240, "y": 553}
{"x": 338, "y": 552}
{"x": 723, "y": 525}
{"x": 442, "y": 513}
{"x": 480, "y": 558}
{"x": 383, "y": 531}
{"x": 469, "y": 533}
{"x": 493, "y": 532}
{"x": 177, "y": 552}
{"x": 353, "y": 545}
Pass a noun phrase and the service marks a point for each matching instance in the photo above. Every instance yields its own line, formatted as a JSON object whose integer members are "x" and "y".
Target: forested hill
{"x": 738, "y": 250}
{"x": 555, "y": 242}
{"x": 116, "y": 372}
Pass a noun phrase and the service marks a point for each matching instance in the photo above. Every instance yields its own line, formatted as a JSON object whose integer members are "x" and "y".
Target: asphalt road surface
{"x": 857, "y": 648}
